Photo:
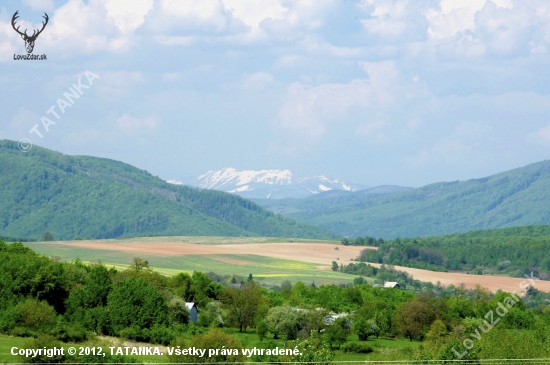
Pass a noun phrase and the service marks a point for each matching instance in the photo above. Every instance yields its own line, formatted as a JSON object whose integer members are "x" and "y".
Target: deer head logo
{"x": 29, "y": 40}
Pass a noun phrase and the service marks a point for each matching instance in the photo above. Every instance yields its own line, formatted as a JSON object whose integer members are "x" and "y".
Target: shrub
{"x": 178, "y": 311}
{"x": 7, "y": 319}
{"x": 97, "y": 319}
{"x": 365, "y": 328}
{"x": 47, "y": 236}
{"x": 35, "y": 315}
{"x": 266, "y": 358}
{"x": 314, "y": 350}
{"x": 214, "y": 339}
{"x": 69, "y": 332}
{"x": 135, "y": 302}
{"x": 161, "y": 335}
{"x": 45, "y": 341}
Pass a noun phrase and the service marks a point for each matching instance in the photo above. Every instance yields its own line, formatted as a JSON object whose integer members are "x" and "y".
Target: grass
{"x": 7, "y": 342}
{"x": 385, "y": 349}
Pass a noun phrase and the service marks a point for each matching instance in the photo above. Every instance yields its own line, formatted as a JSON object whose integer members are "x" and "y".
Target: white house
{"x": 391, "y": 284}
{"x": 193, "y": 314}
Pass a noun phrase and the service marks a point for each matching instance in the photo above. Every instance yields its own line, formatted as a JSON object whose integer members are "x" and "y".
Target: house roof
{"x": 189, "y": 305}
{"x": 391, "y": 284}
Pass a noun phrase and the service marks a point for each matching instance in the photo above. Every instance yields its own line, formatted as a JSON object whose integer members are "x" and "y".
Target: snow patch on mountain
{"x": 174, "y": 181}
{"x": 240, "y": 189}
{"x": 270, "y": 184}
{"x": 231, "y": 177}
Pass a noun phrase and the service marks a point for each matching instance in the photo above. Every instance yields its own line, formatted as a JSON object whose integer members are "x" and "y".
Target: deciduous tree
{"x": 242, "y": 304}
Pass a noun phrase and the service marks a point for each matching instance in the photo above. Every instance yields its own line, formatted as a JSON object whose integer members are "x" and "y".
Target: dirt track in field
{"x": 318, "y": 253}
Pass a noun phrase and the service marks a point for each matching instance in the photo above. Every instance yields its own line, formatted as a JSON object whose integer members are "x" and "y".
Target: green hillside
{"x": 82, "y": 196}
{"x": 328, "y": 199}
{"x": 514, "y": 198}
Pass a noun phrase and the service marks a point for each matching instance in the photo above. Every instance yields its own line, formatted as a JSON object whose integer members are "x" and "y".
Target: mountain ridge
{"x": 269, "y": 184}
{"x": 82, "y": 196}
{"x": 517, "y": 197}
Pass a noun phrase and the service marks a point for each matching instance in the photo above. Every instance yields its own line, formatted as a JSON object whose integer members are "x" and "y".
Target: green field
{"x": 385, "y": 349}
{"x": 267, "y": 270}
{"x": 7, "y": 342}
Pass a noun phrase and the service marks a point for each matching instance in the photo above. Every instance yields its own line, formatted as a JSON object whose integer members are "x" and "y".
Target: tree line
{"x": 509, "y": 251}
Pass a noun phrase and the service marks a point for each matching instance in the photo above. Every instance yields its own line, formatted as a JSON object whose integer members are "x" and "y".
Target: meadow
{"x": 265, "y": 269}
{"x": 384, "y": 349}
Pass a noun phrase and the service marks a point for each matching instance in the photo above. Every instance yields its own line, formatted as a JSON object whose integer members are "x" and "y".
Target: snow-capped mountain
{"x": 270, "y": 184}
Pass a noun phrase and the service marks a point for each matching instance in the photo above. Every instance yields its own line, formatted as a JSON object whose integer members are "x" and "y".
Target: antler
{"x": 15, "y": 16}
{"x": 43, "y": 25}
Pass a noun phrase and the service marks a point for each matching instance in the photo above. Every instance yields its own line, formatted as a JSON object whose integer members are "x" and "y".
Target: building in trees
{"x": 391, "y": 284}
{"x": 193, "y": 313}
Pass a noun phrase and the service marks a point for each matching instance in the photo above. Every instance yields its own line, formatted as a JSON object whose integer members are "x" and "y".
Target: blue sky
{"x": 404, "y": 92}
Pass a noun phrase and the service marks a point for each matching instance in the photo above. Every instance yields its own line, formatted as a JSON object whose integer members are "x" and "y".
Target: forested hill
{"x": 82, "y": 196}
{"x": 517, "y": 197}
{"x": 512, "y": 251}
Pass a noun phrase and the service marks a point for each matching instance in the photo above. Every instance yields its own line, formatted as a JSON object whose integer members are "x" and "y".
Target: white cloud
{"x": 128, "y": 14}
{"x": 91, "y": 136}
{"x": 24, "y": 118}
{"x": 305, "y": 14}
{"x": 289, "y": 61}
{"x": 388, "y": 18}
{"x": 174, "y": 22}
{"x": 542, "y": 135}
{"x": 317, "y": 46}
{"x": 255, "y": 81}
{"x": 236, "y": 21}
{"x": 198, "y": 12}
{"x": 372, "y": 129}
{"x": 253, "y": 12}
{"x": 498, "y": 28}
{"x": 77, "y": 27}
{"x": 455, "y": 16}
{"x": 118, "y": 83}
{"x": 460, "y": 147}
{"x": 131, "y": 125}
{"x": 448, "y": 6}
{"x": 308, "y": 111}
{"x": 19, "y": 125}
{"x": 40, "y": 5}
{"x": 172, "y": 76}
{"x": 505, "y": 31}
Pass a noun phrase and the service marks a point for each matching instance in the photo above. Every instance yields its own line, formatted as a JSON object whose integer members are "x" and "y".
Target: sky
{"x": 405, "y": 92}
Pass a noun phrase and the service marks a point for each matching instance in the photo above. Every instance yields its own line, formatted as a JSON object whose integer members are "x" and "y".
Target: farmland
{"x": 270, "y": 260}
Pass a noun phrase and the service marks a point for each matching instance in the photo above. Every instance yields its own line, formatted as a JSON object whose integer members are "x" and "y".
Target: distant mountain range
{"x": 82, "y": 196}
{"x": 327, "y": 200}
{"x": 268, "y": 184}
{"x": 517, "y": 197}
